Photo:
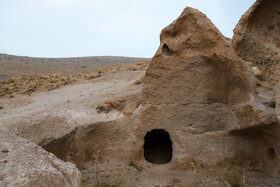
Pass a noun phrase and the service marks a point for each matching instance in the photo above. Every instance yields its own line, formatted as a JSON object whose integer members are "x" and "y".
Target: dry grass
{"x": 28, "y": 84}
{"x": 111, "y": 104}
{"x": 115, "y": 104}
{"x": 139, "y": 81}
{"x": 138, "y": 65}
{"x": 126, "y": 105}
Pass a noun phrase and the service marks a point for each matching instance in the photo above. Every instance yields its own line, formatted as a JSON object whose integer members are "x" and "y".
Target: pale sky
{"x": 72, "y": 28}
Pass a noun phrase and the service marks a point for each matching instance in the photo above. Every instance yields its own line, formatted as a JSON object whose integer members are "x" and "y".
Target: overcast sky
{"x": 69, "y": 28}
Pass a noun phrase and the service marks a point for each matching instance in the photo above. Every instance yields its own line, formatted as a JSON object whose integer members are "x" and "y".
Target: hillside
{"x": 12, "y": 66}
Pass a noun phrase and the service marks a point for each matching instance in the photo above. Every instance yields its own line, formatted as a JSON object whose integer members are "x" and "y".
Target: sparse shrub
{"x": 139, "y": 81}
{"x": 1, "y": 107}
{"x": 92, "y": 76}
{"x": 111, "y": 104}
{"x": 115, "y": 104}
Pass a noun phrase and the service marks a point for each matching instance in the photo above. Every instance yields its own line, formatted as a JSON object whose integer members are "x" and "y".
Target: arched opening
{"x": 158, "y": 147}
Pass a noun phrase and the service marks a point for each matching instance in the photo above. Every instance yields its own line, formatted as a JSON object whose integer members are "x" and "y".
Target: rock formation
{"x": 208, "y": 101}
{"x": 257, "y": 40}
{"x": 199, "y": 91}
{"x": 24, "y": 163}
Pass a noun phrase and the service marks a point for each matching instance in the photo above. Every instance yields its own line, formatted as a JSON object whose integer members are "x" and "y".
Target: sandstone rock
{"x": 205, "y": 101}
{"x": 256, "y": 39}
{"x": 27, "y": 164}
{"x": 198, "y": 90}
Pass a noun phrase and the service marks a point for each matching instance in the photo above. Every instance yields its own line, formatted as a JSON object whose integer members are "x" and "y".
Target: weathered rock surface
{"x": 207, "y": 100}
{"x": 203, "y": 94}
{"x": 23, "y": 163}
{"x": 69, "y": 126}
{"x": 257, "y": 40}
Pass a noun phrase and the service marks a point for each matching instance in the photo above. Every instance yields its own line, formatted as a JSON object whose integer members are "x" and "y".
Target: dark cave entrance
{"x": 158, "y": 147}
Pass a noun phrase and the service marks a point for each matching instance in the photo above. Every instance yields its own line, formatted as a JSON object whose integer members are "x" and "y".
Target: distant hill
{"x": 11, "y": 65}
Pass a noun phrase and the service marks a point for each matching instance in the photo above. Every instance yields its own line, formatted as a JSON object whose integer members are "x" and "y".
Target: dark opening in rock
{"x": 158, "y": 147}
{"x": 272, "y": 104}
{"x": 166, "y": 50}
{"x": 271, "y": 153}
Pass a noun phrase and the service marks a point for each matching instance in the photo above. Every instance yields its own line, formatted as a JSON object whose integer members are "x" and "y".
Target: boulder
{"x": 23, "y": 163}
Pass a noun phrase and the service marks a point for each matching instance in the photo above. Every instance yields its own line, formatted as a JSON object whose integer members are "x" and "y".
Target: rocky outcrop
{"x": 23, "y": 163}
{"x": 199, "y": 91}
{"x": 257, "y": 40}
{"x": 208, "y": 102}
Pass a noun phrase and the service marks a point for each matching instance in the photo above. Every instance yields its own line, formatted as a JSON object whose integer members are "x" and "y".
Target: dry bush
{"x": 139, "y": 81}
{"x": 115, "y": 104}
{"x": 139, "y": 65}
{"x": 111, "y": 104}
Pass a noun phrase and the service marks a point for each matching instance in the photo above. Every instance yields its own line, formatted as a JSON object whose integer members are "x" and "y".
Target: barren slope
{"x": 11, "y": 66}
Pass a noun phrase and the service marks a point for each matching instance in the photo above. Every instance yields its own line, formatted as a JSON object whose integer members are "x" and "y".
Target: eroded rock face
{"x": 257, "y": 40}
{"x": 23, "y": 163}
{"x": 203, "y": 94}
{"x": 202, "y": 104}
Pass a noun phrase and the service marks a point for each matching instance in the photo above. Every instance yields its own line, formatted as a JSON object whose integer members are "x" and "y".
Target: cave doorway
{"x": 158, "y": 147}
